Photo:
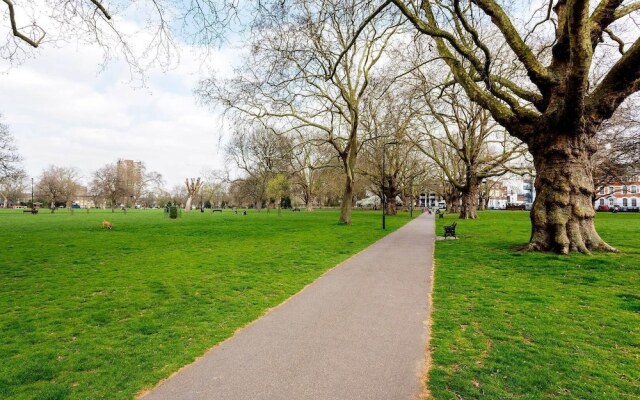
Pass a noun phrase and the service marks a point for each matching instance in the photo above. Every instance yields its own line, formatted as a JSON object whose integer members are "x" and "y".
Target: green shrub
{"x": 173, "y": 212}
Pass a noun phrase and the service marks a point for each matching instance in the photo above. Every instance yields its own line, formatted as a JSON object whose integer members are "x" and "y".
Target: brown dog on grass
{"x": 107, "y": 224}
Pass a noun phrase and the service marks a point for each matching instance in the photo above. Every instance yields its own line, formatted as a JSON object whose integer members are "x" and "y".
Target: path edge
{"x": 145, "y": 391}
{"x": 425, "y": 394}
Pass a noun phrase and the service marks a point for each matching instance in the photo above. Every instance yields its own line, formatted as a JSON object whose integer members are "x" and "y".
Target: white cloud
{"x": 62, "y": 111}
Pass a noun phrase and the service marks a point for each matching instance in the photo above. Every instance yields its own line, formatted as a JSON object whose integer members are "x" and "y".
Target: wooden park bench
{"x": 295, "y": 209}
{"x": 450, "y": 230}
{"x": 31, "y": 210}
{"x": 216, "y": 210}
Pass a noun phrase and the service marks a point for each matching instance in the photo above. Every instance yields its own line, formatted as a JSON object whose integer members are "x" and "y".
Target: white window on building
{"x": 625, "y": 202}
{"x": 624, "y": 189}
{"x": 634, "y": 189}
{"x": 601, "y": 202}
{"x": 634, "y": 203}
{"x": 601, "y": 190}
{"x": 611, "y": 190}
{"x": 611, "y": 202}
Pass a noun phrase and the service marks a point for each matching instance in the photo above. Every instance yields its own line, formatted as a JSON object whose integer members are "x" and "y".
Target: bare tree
{"x": 178, "y": 195}
{"x": 477, "y": 147}
{"x": 308, "y": 159}
{"x": 293, "y": 76}
{"x": 618, "y": 155}
{"x": 143, "y": 33}
{"x": 193, "y": 188}
{"x": 10, "y": 160}
{"x": 11, "y": 173}
{"x": 58, "y": 185}
{"x": 146, "y": 183}
{"x": 552, "y": 105}
{"x": 12, "y": 187}
{"x": 259, "y": 154}
{"x": 216, "y": 188}
{"x": 387, "y": 121}
{"x": 106, "y": 184}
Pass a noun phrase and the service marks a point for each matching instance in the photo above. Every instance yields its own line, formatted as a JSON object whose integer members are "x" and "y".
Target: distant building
{"x": 521, "y": 189}
{"x": 431, "y": 200}
{"x": 83, "y": 199}
{"x": 129, "y": 178}
{"x": 498, "y": 196}
{"x": 624, "y": 195}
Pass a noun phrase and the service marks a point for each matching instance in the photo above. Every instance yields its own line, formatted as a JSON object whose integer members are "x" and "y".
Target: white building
{"x": 431, "y": 200}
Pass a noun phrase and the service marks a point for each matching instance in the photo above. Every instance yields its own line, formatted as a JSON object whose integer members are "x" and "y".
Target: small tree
{"x": 58, "y": 184}
{"x": 277, "y": 187}
{"x": 468, "y": 145}
{"x": 11, "y": 173}
{"x": 12, "y": 187}
{"x": 193, "y": 188}
{"x": 106, "y": 184}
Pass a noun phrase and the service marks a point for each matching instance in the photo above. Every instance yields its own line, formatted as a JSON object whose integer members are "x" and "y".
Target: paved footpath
{"x": 358, "y": 332}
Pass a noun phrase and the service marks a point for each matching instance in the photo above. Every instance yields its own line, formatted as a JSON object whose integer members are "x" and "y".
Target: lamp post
{"x": 384, "y": 196}
{"x": 411, "y": 200}
{"x": 31, "y": 192}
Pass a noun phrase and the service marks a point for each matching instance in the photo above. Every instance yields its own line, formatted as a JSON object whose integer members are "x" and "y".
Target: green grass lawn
{"x": 88, "y": 313}
{"x": 513, "y": 325}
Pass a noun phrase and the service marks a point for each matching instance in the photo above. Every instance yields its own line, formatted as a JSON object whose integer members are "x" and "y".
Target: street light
{"x": 411, "y": 200}
{"x": 384, "y": 197}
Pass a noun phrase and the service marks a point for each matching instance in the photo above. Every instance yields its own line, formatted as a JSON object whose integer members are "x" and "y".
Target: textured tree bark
{"x": 453, "y": 203}
{"x": 562, "y": 216}
{"x": 391, "y": 192}
{"x": 349, "y": 158}
{"x": 392, "y": 208}
{"x": 347, "y": 199}
{"x": 308, "y": 200}
{"x": 469, "y": 208}
{"x": 193, "y": 187}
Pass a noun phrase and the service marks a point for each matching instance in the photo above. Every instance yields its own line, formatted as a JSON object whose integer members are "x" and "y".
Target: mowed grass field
{"x": 513, "y": 325}
{"x": 88, "y": 313}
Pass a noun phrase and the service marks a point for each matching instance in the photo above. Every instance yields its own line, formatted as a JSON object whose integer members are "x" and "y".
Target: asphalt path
{"x": 357, "y": 332}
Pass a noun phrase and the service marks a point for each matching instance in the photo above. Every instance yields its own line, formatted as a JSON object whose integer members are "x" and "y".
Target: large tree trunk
{"x": 187, "y": 206}
{"x": 391, "y": 193}
{"x": 562, "y": 216}
{"x": 349, "y": 162}
{"x": 347, "y": 201}
{"x": 453, "y": 203}
{"x": 392, "y": 207}
{"x": 469, "y": 208}
{"x": 307, "y": 197}
{"x": 308, "y": 201}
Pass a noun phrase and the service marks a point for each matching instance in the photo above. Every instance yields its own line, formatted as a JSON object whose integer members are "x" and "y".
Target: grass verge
{"x": 88, "y": 313}
{"x": 513, "y": 325}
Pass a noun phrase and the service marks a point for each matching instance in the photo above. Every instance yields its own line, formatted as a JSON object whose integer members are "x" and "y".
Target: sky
{"x": 63, "y": 109}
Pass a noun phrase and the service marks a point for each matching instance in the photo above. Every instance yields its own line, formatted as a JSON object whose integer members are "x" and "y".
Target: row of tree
{"x": 332, "y": 70}
{"x": 550, "y": 74}
{"x": 271, "y": 166}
